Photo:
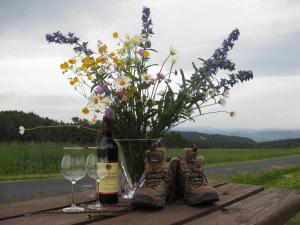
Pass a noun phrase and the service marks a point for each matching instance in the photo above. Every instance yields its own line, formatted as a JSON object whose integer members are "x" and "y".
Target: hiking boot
{"x": 192, "y": 179}
{"x": 159, "y": 178}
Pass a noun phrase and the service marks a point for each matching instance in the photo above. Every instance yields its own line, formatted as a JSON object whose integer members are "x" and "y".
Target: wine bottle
{"x": 108, "y": 188}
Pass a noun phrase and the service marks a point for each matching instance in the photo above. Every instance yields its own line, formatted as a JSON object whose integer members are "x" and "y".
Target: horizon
{"x": 179, "y": 128}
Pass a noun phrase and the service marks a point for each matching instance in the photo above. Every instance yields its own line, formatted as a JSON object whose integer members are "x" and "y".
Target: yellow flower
{"x": 101, "y": 60}
{"x": 112, "y": 53}
{"x": 95, "y": 67}
{"x": 82, "y": 67}
{"x": 85, "y": 110}
{"x": 101, "y": 97}
{"x": 89, "y": 76}
{"x": 115, "y": 35}
{"x": 74, "y": 81}
{"x": 87, "y": 62}
{"x": 64, "y": 66}
{"x": 117, "y": 61}
{"x": 102, "y": 49}
{"x": 146, "y": 54}
{"x": 72, "y": 61}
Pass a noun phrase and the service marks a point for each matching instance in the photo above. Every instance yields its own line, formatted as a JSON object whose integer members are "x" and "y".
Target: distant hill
{"x": 202, "y": 140}
{"x": 259, "y": 135}
{"x": 176, "y": 139}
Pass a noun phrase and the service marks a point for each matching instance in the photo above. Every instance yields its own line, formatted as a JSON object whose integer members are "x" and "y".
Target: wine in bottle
{"x": 108, "y": 188}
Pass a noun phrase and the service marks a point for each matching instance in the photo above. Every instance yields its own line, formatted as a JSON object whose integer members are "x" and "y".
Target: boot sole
{"x": 205, "y": 199}
{"x": 144, "y": 201}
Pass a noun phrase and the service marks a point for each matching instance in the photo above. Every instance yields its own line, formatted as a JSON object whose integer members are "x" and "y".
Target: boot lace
{"x": 195, "y": 178}
{"x": 154, "y": 179}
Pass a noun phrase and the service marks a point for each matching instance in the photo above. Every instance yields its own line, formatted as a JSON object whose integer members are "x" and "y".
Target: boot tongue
{"x": 156, "y": 157}
{"x": 189, "y": 157}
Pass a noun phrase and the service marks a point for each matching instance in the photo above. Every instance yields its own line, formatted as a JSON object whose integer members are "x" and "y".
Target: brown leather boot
{"x": 159, "y": 177}
{"x": 192, "y": 179}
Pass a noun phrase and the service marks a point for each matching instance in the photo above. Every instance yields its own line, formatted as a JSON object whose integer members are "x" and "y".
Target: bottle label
{"x": 110, "y": 183}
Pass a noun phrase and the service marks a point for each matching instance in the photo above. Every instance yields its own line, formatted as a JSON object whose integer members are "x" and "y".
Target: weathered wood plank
{"x": 271, "y": 207}
{"x": 178, "y": 214}
{"x": 17, "y": 210}
{"x": 21, "y": 208}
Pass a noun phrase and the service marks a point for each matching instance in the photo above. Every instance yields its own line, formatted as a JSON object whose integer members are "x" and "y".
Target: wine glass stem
{"x": 73, "y": 184}
{"x": 97, "y": 194}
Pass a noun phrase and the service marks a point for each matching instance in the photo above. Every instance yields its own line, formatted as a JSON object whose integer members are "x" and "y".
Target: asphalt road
{"x": 25, "y": 190}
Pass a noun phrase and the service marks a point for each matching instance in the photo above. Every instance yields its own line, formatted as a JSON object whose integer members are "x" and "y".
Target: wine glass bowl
{"x": 73, "y": 169}
{"x": 96, "y": 156}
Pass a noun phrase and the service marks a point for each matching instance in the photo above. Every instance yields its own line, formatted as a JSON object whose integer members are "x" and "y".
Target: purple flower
{"x": 140, "y": 52}
{"x": 147, "y": 26}
{"x": 160, "y": 76}
{"x": 100, "y": 89}
{"x": 109, "y": 113}
{"x": 58, "y": 37}
{"x": 121, "y": 93}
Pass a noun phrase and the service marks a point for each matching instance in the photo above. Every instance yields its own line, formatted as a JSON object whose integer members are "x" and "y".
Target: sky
{"x": 31, "y": 80}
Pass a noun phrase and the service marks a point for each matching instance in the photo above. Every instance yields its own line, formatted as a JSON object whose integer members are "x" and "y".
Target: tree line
{"x": 10, "y": 121}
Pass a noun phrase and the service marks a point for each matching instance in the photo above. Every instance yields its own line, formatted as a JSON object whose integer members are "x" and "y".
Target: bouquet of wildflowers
{"x": 123, "y": 83}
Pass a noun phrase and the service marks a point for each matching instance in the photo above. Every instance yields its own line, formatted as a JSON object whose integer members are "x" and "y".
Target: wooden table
{"x": 239, "y": 205}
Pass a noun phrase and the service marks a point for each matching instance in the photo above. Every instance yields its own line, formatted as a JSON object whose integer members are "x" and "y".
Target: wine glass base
{"x": 96, "y": 207}
{"x": 73, "y": 209}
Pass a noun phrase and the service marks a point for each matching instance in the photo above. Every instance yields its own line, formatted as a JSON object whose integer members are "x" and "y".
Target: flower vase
{"x": 131, "y": 158}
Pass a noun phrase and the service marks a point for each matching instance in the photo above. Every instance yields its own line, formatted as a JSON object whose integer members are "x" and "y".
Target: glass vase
{"x": 131, "y": 158}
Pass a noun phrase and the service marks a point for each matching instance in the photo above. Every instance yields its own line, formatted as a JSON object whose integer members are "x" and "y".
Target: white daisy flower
{"x": 93, "y": 100}
{"x": 232, "y": 114}
{"x": 146, "y": 78}
{"x": 226, "y": 94}
{"x": 123, "y": 82}
{"x": 173, "y": 51}
{"x": 222, "y": 101}
{"x": 21, "y": 130}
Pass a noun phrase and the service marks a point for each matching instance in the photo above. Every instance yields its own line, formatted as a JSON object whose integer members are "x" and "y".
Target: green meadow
{"x": 34, "y": 161}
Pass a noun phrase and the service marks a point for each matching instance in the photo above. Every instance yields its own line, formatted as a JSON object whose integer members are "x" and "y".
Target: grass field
{"x": 32, "y": 160}
{"x": 277, "y": 177}
{"x": 223, "y": 156}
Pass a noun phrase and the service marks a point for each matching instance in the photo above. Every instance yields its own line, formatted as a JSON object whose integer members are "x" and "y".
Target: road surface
{"x": 25, "y": 190}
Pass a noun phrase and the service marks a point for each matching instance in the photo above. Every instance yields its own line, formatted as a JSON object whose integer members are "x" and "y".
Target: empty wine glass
{"x": 97, "y": 156}
{"x": 73, "y": 169}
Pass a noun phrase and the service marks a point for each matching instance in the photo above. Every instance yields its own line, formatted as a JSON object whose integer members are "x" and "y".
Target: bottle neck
{"x": 107, "y": 134}
{"x": 107, "y": 128}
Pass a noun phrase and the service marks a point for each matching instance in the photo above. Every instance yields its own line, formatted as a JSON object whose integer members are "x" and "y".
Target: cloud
{"x": 60, "y": 107}
{"x": 268, "y": 45}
